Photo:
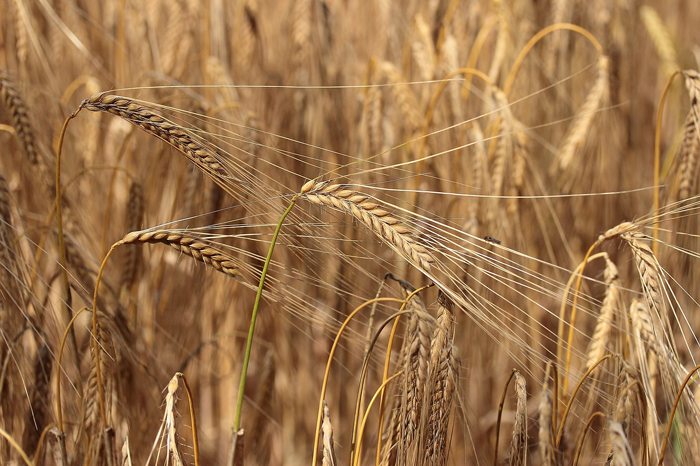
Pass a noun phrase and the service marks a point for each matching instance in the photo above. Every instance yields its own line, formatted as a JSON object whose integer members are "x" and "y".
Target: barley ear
{"x": 391, "y": 230}
{"x": 622, "y": 453}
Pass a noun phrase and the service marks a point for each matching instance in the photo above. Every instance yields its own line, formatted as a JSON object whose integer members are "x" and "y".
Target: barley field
{"x": 286, "y": 232}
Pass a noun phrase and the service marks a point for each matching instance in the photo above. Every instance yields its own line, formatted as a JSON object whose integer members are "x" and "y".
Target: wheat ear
{"x": 388, "y": 228}
{"x": 12, "y": 99}
{"x": 135, "y": 211}
{"x": 661, "y": 38}
{"x": 416, "y": 358}
{"x": 517, "y": 452}
{"x": 690, "y": 147}
{"x": 174, "y": 449}
{"x": 603, "y": 327}
{"x": 582, "y": 123}
{"x": 622, "y": 453}
{"x": 648, "y": 268}
{"x": 193, "y": 147}
{"x": 38, "y": 417}
{"x": 190, "y": 246}
{"x": 441, "y": 383}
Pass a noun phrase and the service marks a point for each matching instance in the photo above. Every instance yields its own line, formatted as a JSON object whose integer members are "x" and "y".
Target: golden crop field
{"x": 292, "y": 232}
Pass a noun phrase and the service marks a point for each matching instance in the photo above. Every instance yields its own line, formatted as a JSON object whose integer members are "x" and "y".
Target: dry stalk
{"x": 388, "y": 228}
{"x": 189, "y": 246}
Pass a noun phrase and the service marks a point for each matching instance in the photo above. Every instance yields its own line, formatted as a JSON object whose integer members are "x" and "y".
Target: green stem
{"x": 253, "y": 318}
